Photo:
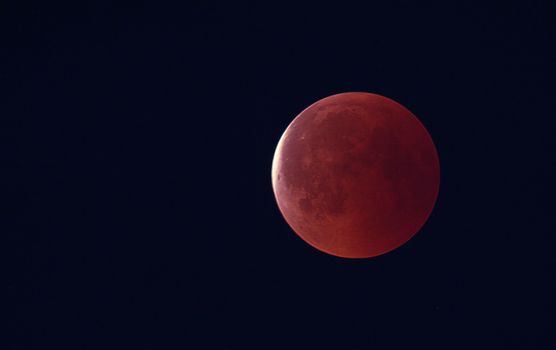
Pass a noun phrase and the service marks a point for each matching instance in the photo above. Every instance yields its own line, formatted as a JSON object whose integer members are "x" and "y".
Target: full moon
{"x": 356, "y": 175}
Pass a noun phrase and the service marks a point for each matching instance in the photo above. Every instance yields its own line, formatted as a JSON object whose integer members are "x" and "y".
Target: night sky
{"x": 137, "y": 200}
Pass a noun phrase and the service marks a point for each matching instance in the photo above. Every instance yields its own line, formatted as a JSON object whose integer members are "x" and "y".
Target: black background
{"x": 136, "y": 168}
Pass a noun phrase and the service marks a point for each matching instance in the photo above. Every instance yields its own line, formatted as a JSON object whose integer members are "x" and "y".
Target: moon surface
{"x": 356, "y": 175}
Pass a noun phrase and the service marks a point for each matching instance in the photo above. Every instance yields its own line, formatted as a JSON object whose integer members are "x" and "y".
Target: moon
{"x": 356, "y": 175}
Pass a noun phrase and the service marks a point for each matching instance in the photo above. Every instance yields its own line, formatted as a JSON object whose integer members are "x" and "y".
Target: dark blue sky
{"x": 136, "y": 169}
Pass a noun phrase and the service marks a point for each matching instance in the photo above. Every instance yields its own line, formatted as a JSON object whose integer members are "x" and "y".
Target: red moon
{"x": 356, "y": 175}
